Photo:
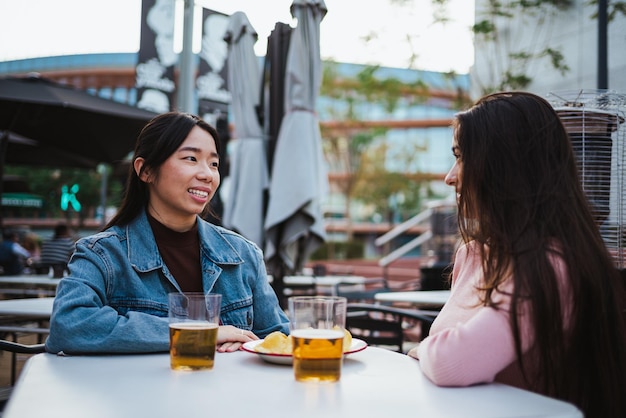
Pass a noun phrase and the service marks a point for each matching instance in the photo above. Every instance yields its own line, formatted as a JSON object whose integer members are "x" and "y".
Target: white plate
{"x": 356, "y": 346}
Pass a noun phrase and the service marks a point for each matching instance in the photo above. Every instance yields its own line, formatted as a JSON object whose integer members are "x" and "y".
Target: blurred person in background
{"x": 13, "y": 257}
{"x": 32, "y": 243}
{"x": 56, "y": 251}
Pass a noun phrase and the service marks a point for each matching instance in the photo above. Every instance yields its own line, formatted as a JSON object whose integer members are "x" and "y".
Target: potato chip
{"x": 275, "y": 343}
{"x": 279, "y": 343}
{"x": 347, "y": 338}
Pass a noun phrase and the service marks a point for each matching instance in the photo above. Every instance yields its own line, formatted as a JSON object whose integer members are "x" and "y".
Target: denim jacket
{"x": 115, "y": 297}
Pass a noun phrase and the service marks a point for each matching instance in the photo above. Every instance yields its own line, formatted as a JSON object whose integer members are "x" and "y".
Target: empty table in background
{"x": 19, "y": 286}
{"x": 433, "y": 299}
{"x": 325, "y": 285}
{"x": 30, "y": 308}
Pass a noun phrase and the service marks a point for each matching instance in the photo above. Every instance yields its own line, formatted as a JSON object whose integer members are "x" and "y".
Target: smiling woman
{"x": 116, "y": 296}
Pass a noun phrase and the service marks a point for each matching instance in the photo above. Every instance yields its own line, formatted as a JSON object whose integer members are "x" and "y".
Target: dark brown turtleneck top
{"x": 180, "y": 252}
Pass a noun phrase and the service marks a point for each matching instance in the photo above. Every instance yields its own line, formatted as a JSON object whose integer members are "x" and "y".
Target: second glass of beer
{"x": 194, "y": 319}
{"x": 317, "y": 329}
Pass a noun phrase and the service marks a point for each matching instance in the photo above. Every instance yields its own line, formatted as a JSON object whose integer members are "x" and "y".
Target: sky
{"x": 34, "y": 28}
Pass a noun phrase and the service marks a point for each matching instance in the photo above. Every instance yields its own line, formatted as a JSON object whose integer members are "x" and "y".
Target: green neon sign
{"x": 68, "y": 197}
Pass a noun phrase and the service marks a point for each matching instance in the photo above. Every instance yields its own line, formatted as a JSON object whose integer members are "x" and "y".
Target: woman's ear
{"x": 138, "y": 165}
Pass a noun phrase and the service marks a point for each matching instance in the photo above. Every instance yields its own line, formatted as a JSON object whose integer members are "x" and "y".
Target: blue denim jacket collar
{"x": 143, "y": 252}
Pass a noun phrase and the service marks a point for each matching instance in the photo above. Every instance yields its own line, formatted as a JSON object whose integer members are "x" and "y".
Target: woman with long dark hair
{"x": 115, "y": 298}
{"x": 536, "y": 299}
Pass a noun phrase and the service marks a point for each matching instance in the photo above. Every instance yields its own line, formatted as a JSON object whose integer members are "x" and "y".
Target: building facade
{"x": 415, "y": 132}
{"x": 573, "y": 30}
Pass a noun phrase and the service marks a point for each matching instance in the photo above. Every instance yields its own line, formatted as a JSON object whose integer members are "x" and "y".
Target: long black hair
{"x": 156, "y": 142}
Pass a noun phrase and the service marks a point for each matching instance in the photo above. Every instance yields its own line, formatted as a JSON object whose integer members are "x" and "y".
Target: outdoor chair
{"x": 285, "y": 291}
{"x": 19, "y": 348}
{"x": 385, "y": 326}
{"x": 15, "y": 347}
{"x": 300, "y": 289}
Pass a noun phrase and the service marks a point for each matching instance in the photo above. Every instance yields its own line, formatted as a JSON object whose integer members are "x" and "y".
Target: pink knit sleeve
{"x": 469, "y": 353}
{"x": 471, "y": 343}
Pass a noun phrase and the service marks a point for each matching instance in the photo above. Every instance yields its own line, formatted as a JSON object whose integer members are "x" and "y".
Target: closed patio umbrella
{"x": 294, "y": 224}
{"x": 249, "y": 178}
{"x": 273, "y": 107}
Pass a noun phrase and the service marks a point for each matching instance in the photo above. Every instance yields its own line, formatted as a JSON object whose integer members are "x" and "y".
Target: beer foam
{"x": 194, "y": 325}
{"x": 317, "y": 333}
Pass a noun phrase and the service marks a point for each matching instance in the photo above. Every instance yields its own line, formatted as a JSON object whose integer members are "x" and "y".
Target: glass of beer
{"x": 316, "y": 326}
{"x": 194, "y": 319}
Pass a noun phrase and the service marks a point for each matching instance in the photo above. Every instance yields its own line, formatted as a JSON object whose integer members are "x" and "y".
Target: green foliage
{"x": 357, "y": 153}
{"x": 366, "y": 86}
{"x": 614, "y": 8}
{"x": 514, "y": 81}
{"x": 484, "y": 28}
{"x": 617, "y": 7}
{"x": 557, "y": 59}
{"x": 339, "y": 250}
{"x": 392, "y": 192}
{"x": 346, "y": 153}
{"x": 513, "y": 54}
{"x": 511, "y": 62}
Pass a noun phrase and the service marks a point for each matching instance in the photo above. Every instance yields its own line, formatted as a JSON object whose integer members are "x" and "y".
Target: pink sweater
{"x": 470, "y": 343}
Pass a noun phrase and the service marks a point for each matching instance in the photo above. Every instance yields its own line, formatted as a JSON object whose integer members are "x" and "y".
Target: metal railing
{"x": 400, "y": 229}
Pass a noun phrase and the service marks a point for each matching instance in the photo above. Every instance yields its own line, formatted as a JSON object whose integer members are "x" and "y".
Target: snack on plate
{"x": 275, "y": 343}
{"x": 279, "y": 343}
{"x": 347, "y": 340}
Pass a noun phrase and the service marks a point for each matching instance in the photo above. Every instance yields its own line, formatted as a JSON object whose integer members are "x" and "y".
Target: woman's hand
{"x": 230, "y": 338}
{"x": 413, "y": 352}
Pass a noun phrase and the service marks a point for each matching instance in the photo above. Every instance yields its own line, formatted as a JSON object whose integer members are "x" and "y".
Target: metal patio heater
{"x": 594, "y": 120}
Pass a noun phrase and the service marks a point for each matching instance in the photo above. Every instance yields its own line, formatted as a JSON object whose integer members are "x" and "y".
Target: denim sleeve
{"x": 82, "y": 320}
{"x": 268, "y": 315}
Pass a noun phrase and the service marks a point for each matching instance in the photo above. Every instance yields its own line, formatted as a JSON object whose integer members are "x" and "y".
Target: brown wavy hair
{"x": 521, "y": 198}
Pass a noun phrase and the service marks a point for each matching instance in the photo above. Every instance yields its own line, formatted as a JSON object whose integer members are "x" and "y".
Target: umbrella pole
{"x": 278, "y": 283}
{"x": 4, "y": 142}
{"x": 103, "y": 169}
{"x": 186, "y": 70}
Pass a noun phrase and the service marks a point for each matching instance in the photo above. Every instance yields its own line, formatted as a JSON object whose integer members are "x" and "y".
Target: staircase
{"x": 395, "y": 267}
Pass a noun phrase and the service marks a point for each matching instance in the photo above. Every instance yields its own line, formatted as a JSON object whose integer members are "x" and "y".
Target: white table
{"x": 28, "y": 285}
{"x": 374, "y": 383}
{"x": 38, "y": 308}
{"x": 43, "y": 281}
{"x": 419, "y": 298}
